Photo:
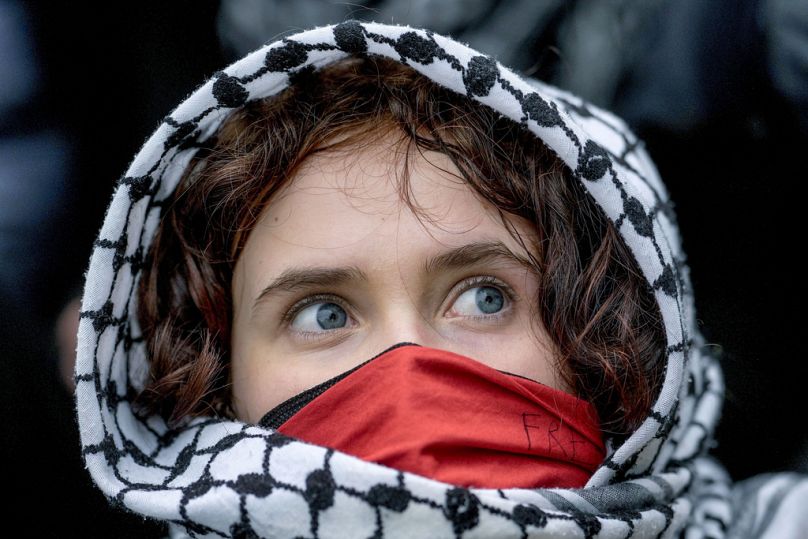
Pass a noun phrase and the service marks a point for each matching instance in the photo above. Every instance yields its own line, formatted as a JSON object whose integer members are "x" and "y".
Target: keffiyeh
{"x": 215, "y": 477}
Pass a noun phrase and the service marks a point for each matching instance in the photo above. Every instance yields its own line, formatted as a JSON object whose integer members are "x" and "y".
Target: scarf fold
{"x": 218, "y": 478}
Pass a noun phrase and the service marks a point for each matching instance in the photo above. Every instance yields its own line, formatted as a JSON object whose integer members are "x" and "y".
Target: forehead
{"x": 347, "y": 207}
{"x": 365, "y": 184}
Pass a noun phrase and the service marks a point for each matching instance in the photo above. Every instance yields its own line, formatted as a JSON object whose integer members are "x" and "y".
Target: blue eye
{"x": 480, "y": 300}
{"x": 320, "y": 316}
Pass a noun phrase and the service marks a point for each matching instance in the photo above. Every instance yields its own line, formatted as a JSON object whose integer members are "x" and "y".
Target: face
{"x": 338, "y": 269}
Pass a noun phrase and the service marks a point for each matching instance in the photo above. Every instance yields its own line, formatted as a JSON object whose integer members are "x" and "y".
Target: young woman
{"x": 368, "y": 282}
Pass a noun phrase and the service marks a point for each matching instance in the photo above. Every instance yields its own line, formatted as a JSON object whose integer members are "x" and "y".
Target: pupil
{"x": 330, "y": 316}
{"x": 489, "y": 299}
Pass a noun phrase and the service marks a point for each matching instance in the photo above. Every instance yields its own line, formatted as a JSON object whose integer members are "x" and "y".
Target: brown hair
{"x": 594, "y": 302}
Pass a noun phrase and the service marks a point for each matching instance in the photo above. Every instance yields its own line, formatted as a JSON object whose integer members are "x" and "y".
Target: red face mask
{"x": 449, "y": 417}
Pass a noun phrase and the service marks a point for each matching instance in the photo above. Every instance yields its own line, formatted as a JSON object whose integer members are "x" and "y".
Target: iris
{"x": 331, "y": 316}
{"x": 489, "y": 299}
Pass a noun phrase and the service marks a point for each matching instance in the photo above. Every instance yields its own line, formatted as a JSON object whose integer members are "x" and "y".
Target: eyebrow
{"x": 474, "y": 253}
{"x": 298, "y": 278}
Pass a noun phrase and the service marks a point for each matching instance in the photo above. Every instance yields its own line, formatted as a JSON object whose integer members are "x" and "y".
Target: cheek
{"x": 258, "y": 386}
{"x": 264, "y": 378}
{"x": 538, "y": 354}
{"x": 536, "y": 359}
{"x": 246, "y": 389}
{"x": 524, "y": 349}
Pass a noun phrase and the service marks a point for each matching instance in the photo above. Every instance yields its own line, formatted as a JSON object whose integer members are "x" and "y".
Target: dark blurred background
{"x": 718, "y": 90}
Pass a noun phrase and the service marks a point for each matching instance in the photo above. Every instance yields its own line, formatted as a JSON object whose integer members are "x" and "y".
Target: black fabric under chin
{"x": 285, "y": 410}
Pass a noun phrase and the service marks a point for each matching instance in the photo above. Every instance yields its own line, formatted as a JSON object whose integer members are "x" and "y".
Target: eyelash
{"x": 460, "y": 288}
{"x": 308, "y": 300}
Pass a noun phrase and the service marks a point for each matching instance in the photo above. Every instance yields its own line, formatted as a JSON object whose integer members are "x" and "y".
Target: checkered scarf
{"x": 215, "y": 477}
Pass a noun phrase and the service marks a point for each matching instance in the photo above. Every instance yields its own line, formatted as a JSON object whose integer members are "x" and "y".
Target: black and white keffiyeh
{"x": 221, "y": 478}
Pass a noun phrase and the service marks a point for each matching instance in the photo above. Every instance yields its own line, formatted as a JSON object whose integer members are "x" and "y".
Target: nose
{"x": 404, "y": 323}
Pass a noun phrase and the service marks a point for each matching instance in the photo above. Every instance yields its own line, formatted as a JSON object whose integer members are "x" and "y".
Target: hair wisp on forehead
{"x": 593, "y": 300}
